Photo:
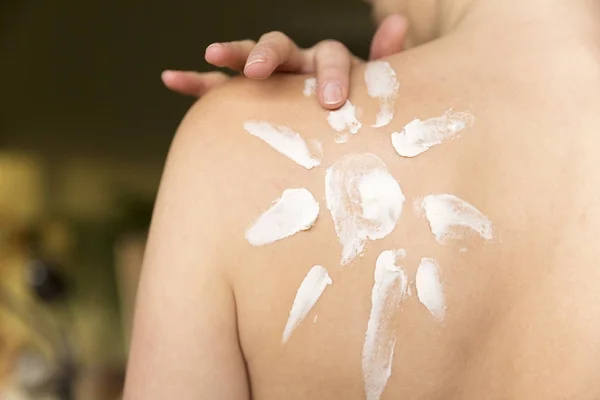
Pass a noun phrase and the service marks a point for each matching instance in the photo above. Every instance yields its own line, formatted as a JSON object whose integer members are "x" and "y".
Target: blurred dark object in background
{"x": 45, "y": 281}
{"x": 49, "y": 286}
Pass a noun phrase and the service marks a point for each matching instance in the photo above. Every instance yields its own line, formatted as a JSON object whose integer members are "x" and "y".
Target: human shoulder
{"x": 217, "y": 165}
{"x": 217, "y": 144}
{"x": 241, "y": 98}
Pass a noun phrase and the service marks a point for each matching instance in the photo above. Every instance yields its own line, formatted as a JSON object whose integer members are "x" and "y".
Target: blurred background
{"x": 85, "y": 126}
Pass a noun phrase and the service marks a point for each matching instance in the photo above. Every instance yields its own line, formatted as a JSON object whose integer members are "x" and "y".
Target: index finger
{"x": 276, "y": 51}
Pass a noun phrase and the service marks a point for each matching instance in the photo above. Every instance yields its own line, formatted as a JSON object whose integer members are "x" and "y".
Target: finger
{"x": 192, "y": 83}
{"x": 390, "y": 37}
{"x": 275, "y": 51}
{"x": 332, "y": 62}
{"x": 309, "y": 59}
{"x": 232, "y": 55}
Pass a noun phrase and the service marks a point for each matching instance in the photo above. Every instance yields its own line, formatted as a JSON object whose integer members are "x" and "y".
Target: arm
{"x": 185, "y": 342}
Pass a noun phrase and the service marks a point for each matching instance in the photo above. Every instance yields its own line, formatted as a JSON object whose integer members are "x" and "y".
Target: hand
{"x": 330, "y": 60}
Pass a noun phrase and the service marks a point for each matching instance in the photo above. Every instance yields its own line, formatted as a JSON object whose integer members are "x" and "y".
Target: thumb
{"x": 390, "y": 37}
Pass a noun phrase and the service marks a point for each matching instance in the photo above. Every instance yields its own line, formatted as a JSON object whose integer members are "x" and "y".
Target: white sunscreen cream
{"x": 430, "y": 290}
{"x": 296, "y": 210}
{"x": 449, "y": 216}
{"x": 286, "y": 142}
{"x": 364, "y": 199}
{"x": 389, "y": 289}
{"x": 419, "y": 136}
{"x": 309, "y": 292}
{"x": 344, "y": 122}
{"x": 310, "y": 87}
{"x": 382, "y": 84}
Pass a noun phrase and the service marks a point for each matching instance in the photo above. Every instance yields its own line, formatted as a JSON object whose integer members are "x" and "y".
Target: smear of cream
{"x": 309, "y": 292}
{"x": 296, "y": 210}
{"x": 383, "y": 85}
{"x": 449, "y": 216}
{"x": 310, "y": 87}
{"x": 419, "y": 136}
{"x": 344, "y": 122}
{"x": 287, "y": 142}
{"x": 430, "y": 290}
{"x": 389, "y": 289}
{"x": 364, "y": 199}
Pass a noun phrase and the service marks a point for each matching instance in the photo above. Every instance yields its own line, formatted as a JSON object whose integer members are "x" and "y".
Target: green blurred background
{"x": 85, "y": 126}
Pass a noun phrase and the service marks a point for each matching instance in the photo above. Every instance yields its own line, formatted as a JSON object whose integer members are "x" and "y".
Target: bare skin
{"x": 523, "y": 317}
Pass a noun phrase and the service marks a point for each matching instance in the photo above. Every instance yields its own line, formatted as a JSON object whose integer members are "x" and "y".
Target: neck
{"x": 541, "y": 40}
{"x": 521, "y": 20}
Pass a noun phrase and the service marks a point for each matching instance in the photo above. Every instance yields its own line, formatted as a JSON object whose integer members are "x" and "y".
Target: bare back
{"x": 522, "y": 310}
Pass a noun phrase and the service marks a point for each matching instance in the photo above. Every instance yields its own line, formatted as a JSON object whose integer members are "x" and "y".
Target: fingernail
{"x": 256, "y": 58}
{"x": 215, "y": 46}
{"x": 332, "y": 93}
{"x": 166, "y": 74}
